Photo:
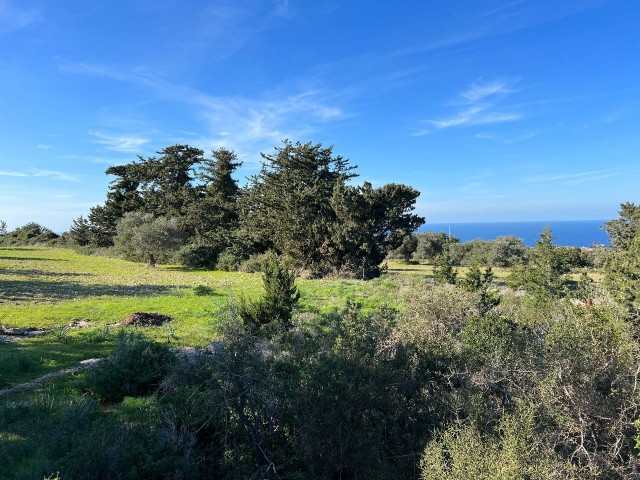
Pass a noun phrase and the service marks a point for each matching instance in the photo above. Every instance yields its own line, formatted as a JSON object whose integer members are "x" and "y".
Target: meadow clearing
{"x": 53, "y": 289}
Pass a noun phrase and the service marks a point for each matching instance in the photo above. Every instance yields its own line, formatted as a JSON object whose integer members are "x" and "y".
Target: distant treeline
{"x": 504, "y": 251}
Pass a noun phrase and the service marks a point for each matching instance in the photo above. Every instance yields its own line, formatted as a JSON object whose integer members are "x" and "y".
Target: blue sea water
{"x": 578, "y": 233}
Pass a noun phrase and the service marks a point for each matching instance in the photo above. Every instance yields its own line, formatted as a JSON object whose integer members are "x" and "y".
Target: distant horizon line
{"x": 513, "y": 221}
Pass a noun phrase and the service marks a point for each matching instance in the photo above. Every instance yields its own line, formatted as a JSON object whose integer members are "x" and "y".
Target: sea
{"x": 575, "y": 233}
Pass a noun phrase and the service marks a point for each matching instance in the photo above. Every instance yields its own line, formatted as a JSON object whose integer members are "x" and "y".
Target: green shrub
{"x": 228, "y": 261}
{"x": 276, "y": 305}
{"x": 256, "y": 263}
{"x": 197, "y": 256}
{"x": 29, "y": 234}
{"x": 514, "y": 452}
{"x": 135, "y": 368}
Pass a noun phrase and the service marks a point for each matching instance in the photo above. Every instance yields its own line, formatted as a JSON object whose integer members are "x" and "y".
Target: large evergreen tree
{"x": 370, "y": 222}
{"x": 216, "y": 212}
{"x": 301, "y": 206}
{"x": 287, "y": 207}
{"x": 623, "y": 268}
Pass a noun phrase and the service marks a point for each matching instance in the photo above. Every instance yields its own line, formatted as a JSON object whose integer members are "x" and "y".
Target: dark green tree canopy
{"x": 623, "y": 267}
{"x": 300, "y": 205}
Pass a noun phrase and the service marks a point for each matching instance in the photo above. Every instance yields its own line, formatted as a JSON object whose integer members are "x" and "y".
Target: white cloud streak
{"x": 241, "y": 123}
{"x": 56, "y": 175}
{"x": 13, "y": 19}
{"x": 479, "y": 91}
{"x": 572, "y": 178}
{"x": 120, "y": 143}
{"x": 478, "y": 100}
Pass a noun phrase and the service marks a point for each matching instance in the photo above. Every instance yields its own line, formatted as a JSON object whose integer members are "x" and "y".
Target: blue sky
{"x": 495, "y": 110}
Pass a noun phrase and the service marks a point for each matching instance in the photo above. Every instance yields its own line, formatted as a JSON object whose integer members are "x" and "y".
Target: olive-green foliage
{"x": 29, "y": 234}
{"x": 135, "y": 368}
{"x": 406, "y": 250}
{"x": 443, "y": 270}
{"x": 506, "y": 251}
{"x": 273, "y": 311}
{"x": 514, "y": 452}
{"x": 544, "y": 274}
{"x": 197, "y": 256}
{"x": 228, "y": 260}
{"x": 481, "y": 282}
{"x": 301, "y": 206}
{"x": 370, "y": 223}
{"x": 624, "y": 229}
{"x": 256, "y": 263}
{"x": 143, "y": 237}
{"x": 432, "y": 244}
{"x": 590, "y": 389}
{"x": 623, "y": 267}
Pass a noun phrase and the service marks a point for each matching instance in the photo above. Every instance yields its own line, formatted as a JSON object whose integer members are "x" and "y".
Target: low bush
{"x": 197, "y": 256}
{"x": 135, "y": 368}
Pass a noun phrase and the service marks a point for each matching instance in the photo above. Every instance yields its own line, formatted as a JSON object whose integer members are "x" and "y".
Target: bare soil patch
{"x": 142, "y": 319}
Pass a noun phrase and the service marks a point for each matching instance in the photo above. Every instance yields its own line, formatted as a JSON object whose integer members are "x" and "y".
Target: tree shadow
{"x": 42, "y": 259}
{"x": 32, "y": 272}
{"x": 30, "y": 358}
{"x": 178, "y": 268}
{"x": 40, "y": 290}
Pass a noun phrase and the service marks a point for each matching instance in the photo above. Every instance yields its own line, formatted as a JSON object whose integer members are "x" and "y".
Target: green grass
{"x": 50, "y": 288}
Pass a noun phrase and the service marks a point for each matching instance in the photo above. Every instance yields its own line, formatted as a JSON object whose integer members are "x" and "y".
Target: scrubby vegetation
{"x": 496, "y": 361}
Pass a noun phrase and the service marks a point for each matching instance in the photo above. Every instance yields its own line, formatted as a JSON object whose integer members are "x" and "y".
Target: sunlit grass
{"x": 51, "y": 288}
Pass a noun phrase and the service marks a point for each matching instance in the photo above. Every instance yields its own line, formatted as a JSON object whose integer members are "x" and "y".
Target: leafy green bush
{"x": 256, "y": 263}
{"x": 135, "y": 368}
{"x": 197, "y": 256}
{"x": 275, "y": 307}
{"x": 228, "y": 261}
{"x": 29, "y": 234}
{"x": 462, "y": 452}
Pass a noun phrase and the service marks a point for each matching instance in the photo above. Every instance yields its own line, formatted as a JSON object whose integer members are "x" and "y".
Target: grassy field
{"x": 51, "y": 288}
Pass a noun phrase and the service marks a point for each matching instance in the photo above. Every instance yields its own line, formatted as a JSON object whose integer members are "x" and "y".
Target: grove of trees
{"x": 301, "y": 206}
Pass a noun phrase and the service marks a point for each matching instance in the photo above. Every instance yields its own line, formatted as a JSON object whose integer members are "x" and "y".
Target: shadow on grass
{"x": 408, "y": 269}
{"x": 39, "y": 290}
{"x": 178, "y": 268}
{"x": 42, "y": 259}
{"x": 29, "y": 359}
{"x": 32, "y": 272}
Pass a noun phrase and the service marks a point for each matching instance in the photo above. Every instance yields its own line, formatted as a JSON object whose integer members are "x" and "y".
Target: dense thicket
{"x": 300, "y": 206}
{"x": 458, "y": 384}
{"x": 441, "y": 390}
{"x": 29, "y": 234}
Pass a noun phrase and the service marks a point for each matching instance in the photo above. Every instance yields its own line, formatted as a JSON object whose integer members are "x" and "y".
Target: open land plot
{"x": 54, "y": 289}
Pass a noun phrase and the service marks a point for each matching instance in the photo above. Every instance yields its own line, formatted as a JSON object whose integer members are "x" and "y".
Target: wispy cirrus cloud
{"x": 13, "y": 18}
{"x": 4, "y": 173}
{"x": 56, "y": 175}
{"x": 502, "y": 9}
{"x": 242, "y": 123}
{"x": 572, "y": 178}
{"x": 120, "y": 143}
{"x": 477, "y": 104}
{"x": 480, "y": 90}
